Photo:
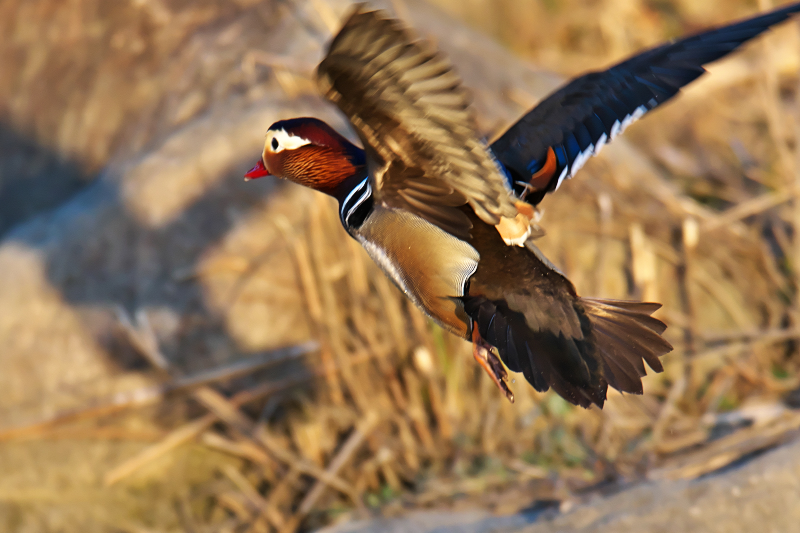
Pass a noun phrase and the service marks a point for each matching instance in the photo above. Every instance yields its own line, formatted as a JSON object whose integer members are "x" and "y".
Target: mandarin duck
{"x": 451, "y": 220}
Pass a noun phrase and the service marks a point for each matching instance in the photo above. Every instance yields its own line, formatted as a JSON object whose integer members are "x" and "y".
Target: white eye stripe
{"x": 280, "y": 140}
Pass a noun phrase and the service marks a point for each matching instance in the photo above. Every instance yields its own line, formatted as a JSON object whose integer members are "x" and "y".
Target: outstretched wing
{"x": 555, "y": 138}
{"x": 414, "y": 118}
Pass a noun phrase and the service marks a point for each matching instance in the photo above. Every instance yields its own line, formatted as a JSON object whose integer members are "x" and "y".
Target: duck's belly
{"x": 428, "y": 264}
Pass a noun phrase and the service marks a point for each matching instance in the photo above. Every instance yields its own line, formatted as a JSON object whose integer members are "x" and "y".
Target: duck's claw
{"x": 483, "y": 354}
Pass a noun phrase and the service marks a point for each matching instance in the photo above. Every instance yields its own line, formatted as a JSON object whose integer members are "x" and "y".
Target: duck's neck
{"x": 349, "y": 184}
{"x": 348, "y": 175}
{"x": 355, "y": 199}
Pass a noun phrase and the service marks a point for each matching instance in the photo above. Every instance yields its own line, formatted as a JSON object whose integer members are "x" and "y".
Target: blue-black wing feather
{"x": 578, "y": 119}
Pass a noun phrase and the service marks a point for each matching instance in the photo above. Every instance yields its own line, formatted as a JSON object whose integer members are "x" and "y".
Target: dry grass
{"x": 718, "y": 250}
{"x": 397, "y": 415}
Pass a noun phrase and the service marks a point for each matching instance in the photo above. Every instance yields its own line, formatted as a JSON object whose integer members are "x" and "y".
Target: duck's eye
{"x": 274, "y": 144}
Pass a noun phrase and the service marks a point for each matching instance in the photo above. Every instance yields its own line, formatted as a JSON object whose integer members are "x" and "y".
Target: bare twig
{"x": 748, "y": 208}
{"x": 308, "y": 468}
{"x": 144, "y": 396}
{"x": 151, "y": 453}
{"x": 142, "y": 337}
{"x": 263, "y": 506}
{"x": 728, "y": 449}
{"x": 351, "y": 445}
{"x": 193, "y": 429}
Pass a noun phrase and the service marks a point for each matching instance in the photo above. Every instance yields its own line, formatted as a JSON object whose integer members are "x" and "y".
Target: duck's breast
{"x": 428, "y": 264}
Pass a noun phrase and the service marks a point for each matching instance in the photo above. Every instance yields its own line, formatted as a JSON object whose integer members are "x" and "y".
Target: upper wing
{"x": 556, "y": 138}
{"x": 413, "y": 116}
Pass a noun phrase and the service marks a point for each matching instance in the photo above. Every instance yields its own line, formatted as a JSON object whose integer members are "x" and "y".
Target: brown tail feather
{"x": 546, "y": 358}
{"x": 625, "y": 334}
{"x": 638, "y": 311}
{"x": 617, "y": 338}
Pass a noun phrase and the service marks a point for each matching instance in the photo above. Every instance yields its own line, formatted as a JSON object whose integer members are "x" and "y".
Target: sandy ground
{"x": 761, "y": 495}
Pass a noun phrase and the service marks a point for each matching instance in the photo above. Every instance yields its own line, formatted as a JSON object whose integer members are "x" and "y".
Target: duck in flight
{"x": 451, "y": 220}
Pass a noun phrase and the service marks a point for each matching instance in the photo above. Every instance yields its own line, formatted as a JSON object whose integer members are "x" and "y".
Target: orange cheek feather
{"x": 317, "y": 167}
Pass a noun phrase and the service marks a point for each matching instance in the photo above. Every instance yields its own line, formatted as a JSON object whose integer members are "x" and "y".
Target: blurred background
{"x": 182, "y": 351}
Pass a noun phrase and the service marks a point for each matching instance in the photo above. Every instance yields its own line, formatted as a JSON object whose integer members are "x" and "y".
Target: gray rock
{"x": 762, "y": 495}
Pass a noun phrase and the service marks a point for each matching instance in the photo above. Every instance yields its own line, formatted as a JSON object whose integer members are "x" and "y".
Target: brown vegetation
{"x": 699, "y": 211}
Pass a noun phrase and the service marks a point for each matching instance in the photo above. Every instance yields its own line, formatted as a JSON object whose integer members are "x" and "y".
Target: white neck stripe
{"x": 355, "y": 189}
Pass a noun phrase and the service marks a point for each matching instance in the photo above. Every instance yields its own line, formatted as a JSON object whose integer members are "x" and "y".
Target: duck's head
{"x": 309, "y": 152}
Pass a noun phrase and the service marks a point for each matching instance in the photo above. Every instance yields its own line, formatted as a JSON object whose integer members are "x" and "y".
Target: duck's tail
{"x": 625, "y": 337}
{"x": 611, "y": 341}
